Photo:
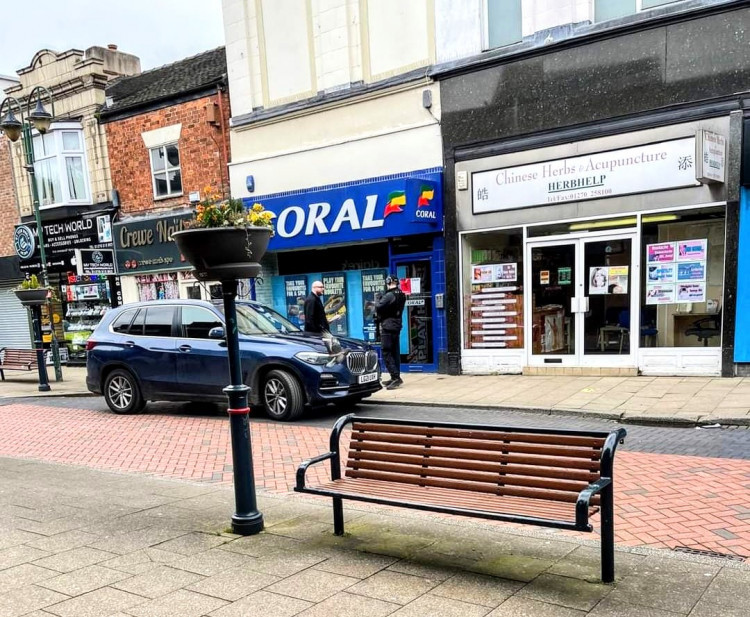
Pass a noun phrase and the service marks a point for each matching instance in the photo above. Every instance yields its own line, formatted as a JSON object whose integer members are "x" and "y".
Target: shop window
{"x": 683, "y": 278}
{"x": 162, "y": 286}
{"x": 165, "y": 170}
{"x": 60, "y": 167}
{"x": 198, "y": 322}
{"x": 605, "y": 10}
{"x": 158, "y": 321}
{"x": 503, "y": 22}
{"x": 493, "y": 304}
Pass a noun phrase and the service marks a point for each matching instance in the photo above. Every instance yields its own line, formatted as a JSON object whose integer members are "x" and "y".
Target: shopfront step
{"x": 581, "y": 370}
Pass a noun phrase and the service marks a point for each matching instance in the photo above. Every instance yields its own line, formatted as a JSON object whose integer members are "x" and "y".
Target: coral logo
{"x": 395, "y": 204}
{"x": 426, "y": 195}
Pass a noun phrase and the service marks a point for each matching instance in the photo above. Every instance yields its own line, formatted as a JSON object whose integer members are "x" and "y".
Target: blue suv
{"x": 174, "y": 350}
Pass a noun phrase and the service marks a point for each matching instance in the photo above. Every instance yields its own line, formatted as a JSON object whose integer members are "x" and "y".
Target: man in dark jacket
{"x": 389, "y": 309}
{"x": 315, "y": 314}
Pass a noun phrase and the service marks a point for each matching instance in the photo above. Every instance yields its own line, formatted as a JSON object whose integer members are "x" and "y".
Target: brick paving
{"x": 663, "y": 500}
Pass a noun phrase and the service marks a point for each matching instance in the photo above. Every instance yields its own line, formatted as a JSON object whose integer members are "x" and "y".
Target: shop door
{"x": 417, "y": 335}
{"x": 582, "y": 301}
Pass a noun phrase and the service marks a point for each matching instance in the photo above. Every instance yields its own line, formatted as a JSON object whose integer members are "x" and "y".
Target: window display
{"x": 494, "y": 306}
{"x": 85, "y": 300}
{"x": 161, "y": 286}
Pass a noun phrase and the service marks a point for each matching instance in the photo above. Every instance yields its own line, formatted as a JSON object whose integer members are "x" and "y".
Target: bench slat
{"x": 463, "y": 485}
{"x": 452, "y": 498}
{"x": 469, "y": 444}
{"x": 476, "y": 455}
{"x": 556, "y": 439}
{"x": 493, "y": 475}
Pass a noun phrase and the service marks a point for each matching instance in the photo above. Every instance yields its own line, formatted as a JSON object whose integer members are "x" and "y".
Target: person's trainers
{"x": 394, "y": 383}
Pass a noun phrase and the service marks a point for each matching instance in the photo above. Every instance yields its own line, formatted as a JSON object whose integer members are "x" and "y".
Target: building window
{"x": 493, "y": 306}
{"x": 503, "y": 23}
{"x": 60, "y": 167}
{"x": 165, "y": 168}
{"x": 682, "y": 278}
{"x": 605, "y": 10}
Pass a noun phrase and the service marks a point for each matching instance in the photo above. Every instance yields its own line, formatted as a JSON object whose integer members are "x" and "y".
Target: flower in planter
{"x": 30, "y": 282}
{"x": 216, "y": 211}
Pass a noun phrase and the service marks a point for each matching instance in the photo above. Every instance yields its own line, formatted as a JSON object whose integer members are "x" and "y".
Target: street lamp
{"x": 14, "y": 129}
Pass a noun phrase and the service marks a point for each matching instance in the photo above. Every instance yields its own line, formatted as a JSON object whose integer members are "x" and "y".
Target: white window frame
{"x": 59, "y": 163}
{"x": 486, "y": 27}
{"x": 638, "y": 7}
{"x": 167, "y": 169}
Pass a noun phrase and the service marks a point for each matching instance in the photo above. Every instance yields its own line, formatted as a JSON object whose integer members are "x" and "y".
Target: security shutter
{"x": 14, "y": 320}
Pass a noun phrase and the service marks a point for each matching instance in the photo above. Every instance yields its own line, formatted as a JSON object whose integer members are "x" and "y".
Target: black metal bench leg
{"x": 338, "y": 516}
{"x": 608, "y": 534}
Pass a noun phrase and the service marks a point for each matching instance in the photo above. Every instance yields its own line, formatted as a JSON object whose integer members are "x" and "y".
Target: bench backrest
{"x": 18, "y": 356}
{"x": 531, "y": 463}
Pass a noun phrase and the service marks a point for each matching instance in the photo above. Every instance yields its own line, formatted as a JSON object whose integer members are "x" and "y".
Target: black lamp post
{"x": 14, "y": 129}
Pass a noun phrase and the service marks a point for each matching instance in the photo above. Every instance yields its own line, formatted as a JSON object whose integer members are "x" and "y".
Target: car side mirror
{"x": 216, "y": 333}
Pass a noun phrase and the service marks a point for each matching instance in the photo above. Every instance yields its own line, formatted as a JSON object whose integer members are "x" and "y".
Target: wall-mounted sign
{"x": 146, "y": 245}
{"x": 95, "y": 261}
{"x": 335, "y": 302}
{"x": 653, "y": 167}
{"x": 357, "y": 211}
{"x": 295, "y": 289}
{"x": 24, "y": 241}
{"x": 710, "y": 156}
{"x": 373, "y": 283}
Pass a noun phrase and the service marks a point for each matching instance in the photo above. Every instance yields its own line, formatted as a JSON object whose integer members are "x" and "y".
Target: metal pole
{"x": 246, "y": 520}
{"x": 28, "y": 149}
{"x": 36, "y": 317}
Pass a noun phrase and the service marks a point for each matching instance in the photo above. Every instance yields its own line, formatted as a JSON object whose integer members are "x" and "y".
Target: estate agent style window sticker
{"x": 676, "y": 271}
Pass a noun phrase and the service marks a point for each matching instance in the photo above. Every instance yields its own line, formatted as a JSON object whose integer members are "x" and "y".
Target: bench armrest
{"x": 302, "y": 469}
{"x": 584, "y": 499}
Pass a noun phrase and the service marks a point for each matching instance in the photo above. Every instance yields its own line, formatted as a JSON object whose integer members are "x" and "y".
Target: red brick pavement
{"x": 662, "y": 500}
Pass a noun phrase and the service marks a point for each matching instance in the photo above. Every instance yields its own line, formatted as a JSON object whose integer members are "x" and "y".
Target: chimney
{"x": 112, "y": 46}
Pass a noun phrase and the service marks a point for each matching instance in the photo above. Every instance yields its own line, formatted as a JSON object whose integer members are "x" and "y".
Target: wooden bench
{"x": 547, "y": 477}
{"x": 17, "y": 360}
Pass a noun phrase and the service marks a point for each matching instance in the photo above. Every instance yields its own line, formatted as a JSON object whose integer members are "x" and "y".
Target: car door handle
{"x": 130, "y": 344}
{"x": 185, "y": 348}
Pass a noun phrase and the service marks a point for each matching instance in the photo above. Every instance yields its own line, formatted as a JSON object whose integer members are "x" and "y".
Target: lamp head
{"x": 40, "y": 118}
{"x": 11, "y": 126}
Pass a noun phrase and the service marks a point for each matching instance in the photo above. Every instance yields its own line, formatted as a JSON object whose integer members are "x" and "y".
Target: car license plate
{"x": 369, "y": 377}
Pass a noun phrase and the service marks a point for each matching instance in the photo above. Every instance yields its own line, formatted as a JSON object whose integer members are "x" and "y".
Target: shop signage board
{"x": 146, "y": 245}
{"x": 710, "y": 156}
{"x": 295, "y": 289}
{"x": 676, "y": 271}
{"x": 359, "y": 211}
{"x": 95, "y": 261}
{"x": 651, "y": 167}
{"x": 61, "y": 239}
{"x": 373, "y": 284}
{"x": 334, "y": 302}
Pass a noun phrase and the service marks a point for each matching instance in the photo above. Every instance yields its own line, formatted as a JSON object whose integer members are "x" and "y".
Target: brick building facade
{"x": 8, "y": 201}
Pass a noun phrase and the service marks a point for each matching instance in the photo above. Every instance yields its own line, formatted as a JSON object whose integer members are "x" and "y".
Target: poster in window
{"x": 618, "y": 279}
{"x": 373, "y": 283}
{"x": 482, "y": 274}
{"x": 661, "y": 252}
{"x": 660, "y": 273}
{"x": 295, "y": 288}
{"x": 506, "y": 273}
{"x": 691, "y": 292}
{"x": 334, "y": 302}
{"x": 692, "y": 250}
{"x": 598, "y": 280}
{"x": 660, "y": 294}
{"x": 544, "y": 277}
{"x": 564, "y": 276}
{"x": 691, "y": 271}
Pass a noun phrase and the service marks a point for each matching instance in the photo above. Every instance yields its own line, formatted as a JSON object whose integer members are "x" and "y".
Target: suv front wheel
{"x": 282, "y": 396}
{"x": 122, "y": 393}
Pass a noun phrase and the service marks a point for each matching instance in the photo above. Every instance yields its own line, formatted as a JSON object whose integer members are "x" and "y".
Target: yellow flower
{"x": 257, "y": 208}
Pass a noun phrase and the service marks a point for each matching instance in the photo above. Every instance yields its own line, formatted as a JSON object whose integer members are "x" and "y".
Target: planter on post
{"x": 33, "y": 300}
{"x": 226, "y": 254}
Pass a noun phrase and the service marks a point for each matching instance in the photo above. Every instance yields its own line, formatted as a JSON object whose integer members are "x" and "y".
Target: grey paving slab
{"x": 263, "y": 604}
{"x": 157, "y": 582}
{"x": 181, "y": 603}
{"x": 261, "y": 545}
{"x": 192, "y": 543}
{"x": 63, "y": 541}
{"x": 525, "y": 607}
{"x": 568, "y": 592}
{"x": 285, "y": 563}
{"x": 394, "y": 587}
{"x": 708, "y": 609}
{"x": 677, "y": 591}
{"x": 313, "y": 585}
{"x": 15, "y": 537}
{"x": 348, "y": 605}
{"x": 233, "y": 584}
{"x": 100, "y": 603}
{"x": 29, "y": 598}
{"x": 431, "y": 606}
{"x": 142, "y": 561}
{"x": 351, "y": 563}
{"x": 67, "y": 561}
{"x": 425, "y": 570}
{"x": 16, "y": 555}
{"x": 211, "y": 562}
{"x": 610, "y": 607}
{"x": 136, "y": 540}
{"x": 24, "y": 574}
{"x": 84, "y": 580}
{"x": 477, "y": 589}
{"x": 729, "y": 588}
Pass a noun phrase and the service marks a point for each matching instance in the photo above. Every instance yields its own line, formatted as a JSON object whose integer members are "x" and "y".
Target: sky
{"x": 157, "y": 31}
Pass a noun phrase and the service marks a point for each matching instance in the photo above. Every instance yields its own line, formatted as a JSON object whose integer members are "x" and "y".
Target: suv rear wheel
{"x": 282, "y": 396}
{"x": 122, "y": 393}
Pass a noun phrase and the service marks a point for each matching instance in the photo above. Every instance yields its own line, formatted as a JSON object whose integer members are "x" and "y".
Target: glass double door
{"x": 582, "y": 307}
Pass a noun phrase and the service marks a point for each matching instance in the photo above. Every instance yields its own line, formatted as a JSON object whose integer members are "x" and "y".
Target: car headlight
{"x": 314, "y": 357}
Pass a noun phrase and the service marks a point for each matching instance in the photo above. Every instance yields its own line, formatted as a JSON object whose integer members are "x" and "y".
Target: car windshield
{"x": 253, "y": 319}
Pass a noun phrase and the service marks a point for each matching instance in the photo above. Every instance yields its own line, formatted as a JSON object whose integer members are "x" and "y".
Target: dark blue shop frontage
{"x": 351, "y": 236}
